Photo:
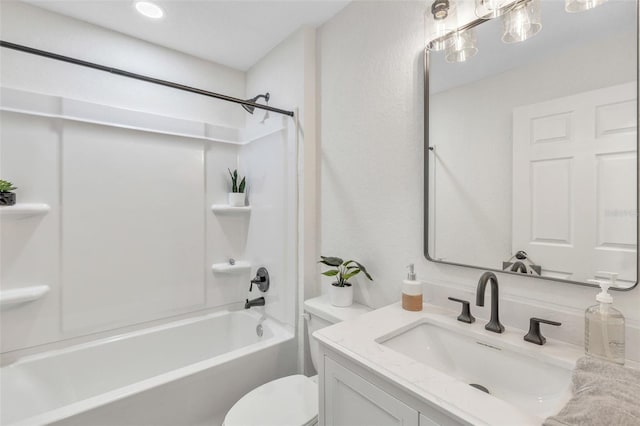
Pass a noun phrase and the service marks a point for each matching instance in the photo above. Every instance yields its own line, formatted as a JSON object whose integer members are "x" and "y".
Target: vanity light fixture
{"x": 522, "y": 22}
{"x": 440, "y": 19}
{"x": 573, "y": 6}
{"x": 462, "y": 46}
{"x": 149, "y": 9}
{"x": 488, "y": 9}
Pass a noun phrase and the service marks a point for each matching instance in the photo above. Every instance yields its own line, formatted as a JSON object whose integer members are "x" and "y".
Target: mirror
{"x": 531, "y": 162}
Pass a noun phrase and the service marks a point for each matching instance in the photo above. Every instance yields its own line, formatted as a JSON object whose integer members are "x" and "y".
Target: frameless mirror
{"x": 532, "y": 164}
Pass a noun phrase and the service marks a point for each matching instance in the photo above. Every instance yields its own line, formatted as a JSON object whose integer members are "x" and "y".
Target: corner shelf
{"x": 227, "y": 268}
{"x": 227, "y": 209}
{"x": 22, "y": 295}
{"x": 23, "y": 210}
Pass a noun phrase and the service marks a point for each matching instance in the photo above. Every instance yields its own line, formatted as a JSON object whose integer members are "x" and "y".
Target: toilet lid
{"x": 289, "y": 401}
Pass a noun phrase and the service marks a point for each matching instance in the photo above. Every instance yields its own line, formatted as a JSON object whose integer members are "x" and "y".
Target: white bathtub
{"x": 183, "y": 373}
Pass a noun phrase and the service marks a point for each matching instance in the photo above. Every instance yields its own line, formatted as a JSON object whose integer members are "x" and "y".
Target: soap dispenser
{"x": 411, "y": 292}
{"x": 604, "y": 326}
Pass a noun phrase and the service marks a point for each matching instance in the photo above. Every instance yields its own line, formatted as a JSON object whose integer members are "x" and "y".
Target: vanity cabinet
{"x": 353, "y": 396}
{"x": 351, "y": 400}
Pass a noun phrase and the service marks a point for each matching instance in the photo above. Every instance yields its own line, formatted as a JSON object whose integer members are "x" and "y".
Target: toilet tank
{"x": 321, "y": 313}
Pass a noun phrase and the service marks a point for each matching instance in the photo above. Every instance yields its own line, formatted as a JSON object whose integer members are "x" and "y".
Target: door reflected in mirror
{"x": 532, "y": 164}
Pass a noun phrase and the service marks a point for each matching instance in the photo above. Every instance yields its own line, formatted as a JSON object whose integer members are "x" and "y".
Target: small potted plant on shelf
{"x": 236, "y": 196}
{"x": 7, "y": 197}
{"x": 341, "y": 290}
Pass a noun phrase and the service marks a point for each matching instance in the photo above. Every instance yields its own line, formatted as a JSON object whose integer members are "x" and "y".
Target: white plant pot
{"x": 236, "y": 199}
{"x": 341, "y": 296}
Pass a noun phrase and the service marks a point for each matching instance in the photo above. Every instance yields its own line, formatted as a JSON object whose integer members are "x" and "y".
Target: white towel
{"x": 603, "y": 394}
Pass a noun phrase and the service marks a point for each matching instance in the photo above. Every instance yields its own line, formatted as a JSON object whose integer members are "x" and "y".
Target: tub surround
{"x": 55, "y": 119}
{"x": 51, "y": 166}
{"x": 355, "y": 343}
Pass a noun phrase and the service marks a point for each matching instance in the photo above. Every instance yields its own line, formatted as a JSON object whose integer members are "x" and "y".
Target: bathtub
{"x": 188, "y": 372}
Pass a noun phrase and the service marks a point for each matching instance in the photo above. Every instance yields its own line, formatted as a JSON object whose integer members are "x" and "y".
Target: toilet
{"x": 292, "y": 400}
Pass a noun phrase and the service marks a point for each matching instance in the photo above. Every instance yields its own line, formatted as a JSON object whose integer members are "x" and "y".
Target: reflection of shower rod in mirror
{"x": 520, "y": 262}
{"x": 247, "y": 104}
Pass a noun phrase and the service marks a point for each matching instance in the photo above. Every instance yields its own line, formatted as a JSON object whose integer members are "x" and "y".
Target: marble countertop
{"x": 358, "y": 339}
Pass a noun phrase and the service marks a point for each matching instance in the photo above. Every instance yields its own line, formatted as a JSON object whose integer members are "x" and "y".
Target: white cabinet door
{"x": 574, "y": 183}
{"x": 352, "y": 401}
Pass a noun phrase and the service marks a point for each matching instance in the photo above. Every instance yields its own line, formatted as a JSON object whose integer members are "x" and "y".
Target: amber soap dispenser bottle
{"x": 411, "y": 292}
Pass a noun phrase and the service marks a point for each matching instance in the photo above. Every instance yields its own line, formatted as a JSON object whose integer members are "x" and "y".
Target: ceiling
{"x": 235, "y": 33}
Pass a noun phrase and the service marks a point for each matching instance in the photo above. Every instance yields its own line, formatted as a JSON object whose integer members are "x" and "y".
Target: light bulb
{"x": 462, "y": 46}
{"x": 573, "y": 6}
{"x": 522, "y": 22}
{"x": 487, "y": 9}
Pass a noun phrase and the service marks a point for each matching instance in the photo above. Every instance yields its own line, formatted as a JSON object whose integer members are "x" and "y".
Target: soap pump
{"x": 411, "y": 292}
{"x": 604, "y": 326}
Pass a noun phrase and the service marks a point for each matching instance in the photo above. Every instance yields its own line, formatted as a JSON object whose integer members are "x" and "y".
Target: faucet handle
{"x": 261, "y": 280}
{"x": 465, "y": 316}
{"x": 534, "y": 335}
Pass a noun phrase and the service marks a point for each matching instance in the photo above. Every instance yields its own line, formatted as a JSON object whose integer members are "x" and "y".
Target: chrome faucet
{"x": 494, "y": 323}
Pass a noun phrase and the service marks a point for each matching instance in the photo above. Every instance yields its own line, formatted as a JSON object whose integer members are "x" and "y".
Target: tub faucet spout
{"x": 259, "y": 301}
{"x": 494, "y": 323}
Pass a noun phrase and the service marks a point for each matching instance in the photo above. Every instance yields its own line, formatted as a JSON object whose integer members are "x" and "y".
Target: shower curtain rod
{"x": 128, "y": 74}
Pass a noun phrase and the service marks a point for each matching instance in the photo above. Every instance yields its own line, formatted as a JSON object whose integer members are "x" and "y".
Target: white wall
{"x": 371, "y": 125}
{"x": 370, "y": 79}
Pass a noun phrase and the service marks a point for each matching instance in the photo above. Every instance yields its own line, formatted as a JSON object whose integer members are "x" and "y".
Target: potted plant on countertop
{"x": 236, "y": 196}
{"x": 7, "y": 197}
{"x": 341, "y": 291}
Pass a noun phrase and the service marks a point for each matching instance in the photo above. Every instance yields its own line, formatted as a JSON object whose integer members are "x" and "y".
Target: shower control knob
{"x": 261, "y": 280}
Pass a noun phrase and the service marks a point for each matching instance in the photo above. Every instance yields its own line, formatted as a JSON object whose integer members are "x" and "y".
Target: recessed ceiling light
{"x": 150, "y": 10}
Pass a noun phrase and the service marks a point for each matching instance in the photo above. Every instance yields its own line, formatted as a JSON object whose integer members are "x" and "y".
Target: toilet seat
{"x": 289, "y": 401}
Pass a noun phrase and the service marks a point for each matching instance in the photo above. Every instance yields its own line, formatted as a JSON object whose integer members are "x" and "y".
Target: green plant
{"x": 6, "y": 186}
{"x": 343, "y": 271}
{"x": 234, "y": 182}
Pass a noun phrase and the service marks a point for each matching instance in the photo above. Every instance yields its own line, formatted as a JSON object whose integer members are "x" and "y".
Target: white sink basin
{"x": 519, "y": 377}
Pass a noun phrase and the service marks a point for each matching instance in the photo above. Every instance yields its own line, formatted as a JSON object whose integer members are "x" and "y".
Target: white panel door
{"x": 574, "y": 183}
{"x": 352, "y": 401}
